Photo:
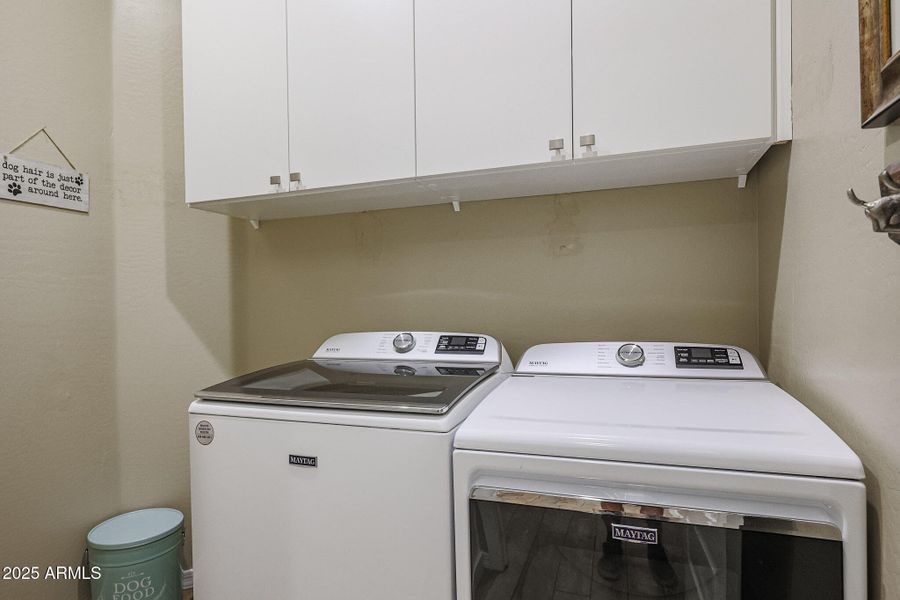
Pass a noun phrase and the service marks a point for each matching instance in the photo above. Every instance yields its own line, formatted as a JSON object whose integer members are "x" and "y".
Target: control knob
{"x": 630, "y": 355}
{"x": 404, "y": 342}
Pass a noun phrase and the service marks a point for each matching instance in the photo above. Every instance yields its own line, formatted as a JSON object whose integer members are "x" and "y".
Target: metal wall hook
{"x": 885, "y": 211}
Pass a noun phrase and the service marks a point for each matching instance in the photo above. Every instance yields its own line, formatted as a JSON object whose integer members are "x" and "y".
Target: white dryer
{"x": 330, "y": 478}
{"x": 654, "y": 470}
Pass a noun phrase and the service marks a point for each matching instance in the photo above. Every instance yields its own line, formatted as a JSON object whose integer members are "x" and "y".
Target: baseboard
{"x": 187, "y": 579}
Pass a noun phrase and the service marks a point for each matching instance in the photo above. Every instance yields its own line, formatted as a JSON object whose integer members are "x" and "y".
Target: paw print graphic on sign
{"x": 14, "y": 188}
{"x": 79, "y": 181}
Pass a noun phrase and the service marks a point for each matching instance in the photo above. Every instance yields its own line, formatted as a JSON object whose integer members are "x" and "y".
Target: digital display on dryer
{"x": 705, "y": 357}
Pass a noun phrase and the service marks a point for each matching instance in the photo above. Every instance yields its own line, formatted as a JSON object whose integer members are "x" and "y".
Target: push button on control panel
{"x": 460, "y": 344}
{"x": 705, "y": 357}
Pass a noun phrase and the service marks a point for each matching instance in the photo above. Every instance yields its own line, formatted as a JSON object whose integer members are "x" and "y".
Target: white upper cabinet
{"x": 493, "y": 83}
{"x": 664, "y": 74}
{"x": 235, "y": 98}
{"x": 351, "y": 90}
{"x": 365, "y": 104}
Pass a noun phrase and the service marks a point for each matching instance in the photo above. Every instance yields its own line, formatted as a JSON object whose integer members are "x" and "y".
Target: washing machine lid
{"x": 371, "y": 385}
{"x": 742, "y": 425}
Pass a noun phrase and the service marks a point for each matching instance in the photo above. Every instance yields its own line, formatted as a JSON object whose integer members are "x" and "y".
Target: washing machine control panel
{"x": 468, "y": 344}
{"x": 707, "y": 357}
{"x": 436, "y": 346}
{"x": 641, "y": 359}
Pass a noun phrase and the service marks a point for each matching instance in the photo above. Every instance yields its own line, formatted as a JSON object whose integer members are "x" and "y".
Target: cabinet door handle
{"x": 295, "y": 183}
{"x": 295, "y": 177}
{"x": 587, "y": 142}
{"x": 275, "y": 180}
{"x": 556, "y": 147}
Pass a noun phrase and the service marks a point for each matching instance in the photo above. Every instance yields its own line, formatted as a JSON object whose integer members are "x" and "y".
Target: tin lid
{"x": 134, "y": 529}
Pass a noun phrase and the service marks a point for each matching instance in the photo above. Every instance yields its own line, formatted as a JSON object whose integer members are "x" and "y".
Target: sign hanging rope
{"x": 52, "y": 141}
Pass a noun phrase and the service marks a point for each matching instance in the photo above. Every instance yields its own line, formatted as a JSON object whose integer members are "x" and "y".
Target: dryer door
{"x": 531, "y": 545}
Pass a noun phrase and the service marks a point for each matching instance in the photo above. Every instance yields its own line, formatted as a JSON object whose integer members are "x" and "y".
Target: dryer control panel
{"x": 641, "y": 359}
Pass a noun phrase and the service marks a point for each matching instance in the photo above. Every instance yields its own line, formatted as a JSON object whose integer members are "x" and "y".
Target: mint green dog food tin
{"x": 138, "y": 554}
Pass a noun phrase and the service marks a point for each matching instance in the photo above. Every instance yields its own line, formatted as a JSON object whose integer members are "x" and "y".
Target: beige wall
{"x": 59, "y": 462}
{"x": 111, "y": 320}
{"x": 173, "y": 281}
{"x": 830, "y": 327}
{"x": 668, "y": 262}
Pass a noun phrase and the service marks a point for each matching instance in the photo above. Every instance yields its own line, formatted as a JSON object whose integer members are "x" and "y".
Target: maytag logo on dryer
{"x": 636, "y": 535}
{"x": 538, "y": 363}
{"x": 332, "y": 349}
{"x": 303, "y": 461}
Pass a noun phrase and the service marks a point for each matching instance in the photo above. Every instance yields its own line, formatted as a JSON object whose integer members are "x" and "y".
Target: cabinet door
{"x": 235, "y": 98}
{"x": 655, "y": 74}
{"x": 351, "y": 91}
{"x": 493, "y": 83}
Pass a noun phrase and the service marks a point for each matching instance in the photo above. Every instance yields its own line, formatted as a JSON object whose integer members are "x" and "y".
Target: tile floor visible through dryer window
{"x": 546, "y": 554}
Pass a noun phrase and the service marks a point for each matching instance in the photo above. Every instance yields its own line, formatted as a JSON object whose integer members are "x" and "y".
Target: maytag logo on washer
{"x": 636, "y": 535}
{"x": 303, "y": 461}
{"x": 538, "y": 363}
{"x": 204, "y": 432}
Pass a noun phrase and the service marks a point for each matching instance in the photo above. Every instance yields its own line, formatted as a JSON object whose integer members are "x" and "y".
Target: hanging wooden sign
{"x": 41, "y": 183}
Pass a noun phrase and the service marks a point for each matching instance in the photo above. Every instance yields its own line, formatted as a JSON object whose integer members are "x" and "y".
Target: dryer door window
{"x": 526, "y": 545}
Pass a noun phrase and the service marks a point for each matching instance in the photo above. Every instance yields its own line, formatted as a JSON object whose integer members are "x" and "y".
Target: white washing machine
{"x": 330, "y": 478}
{"x": 653, "y": 470}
